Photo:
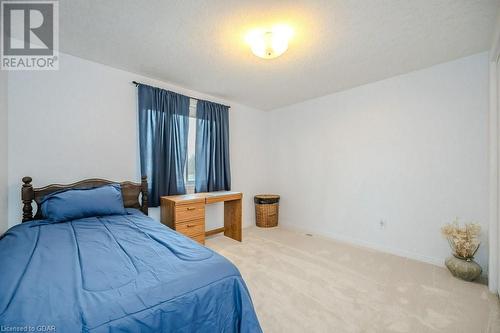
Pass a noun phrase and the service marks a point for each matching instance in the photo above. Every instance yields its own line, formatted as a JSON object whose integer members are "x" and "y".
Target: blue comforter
{"x": 123, "y": 273}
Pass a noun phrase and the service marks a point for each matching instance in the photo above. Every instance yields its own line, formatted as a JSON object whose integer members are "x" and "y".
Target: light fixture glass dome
{"x": 269, "y": 43}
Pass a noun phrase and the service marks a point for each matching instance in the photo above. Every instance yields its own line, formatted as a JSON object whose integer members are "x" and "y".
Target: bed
{"x": 116, "y": 273}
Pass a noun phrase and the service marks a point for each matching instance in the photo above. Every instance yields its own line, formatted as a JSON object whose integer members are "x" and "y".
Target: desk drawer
{"x": 191, "y": 228}
{"x": 200, "y": 239}
{"x": 189, "y": 212}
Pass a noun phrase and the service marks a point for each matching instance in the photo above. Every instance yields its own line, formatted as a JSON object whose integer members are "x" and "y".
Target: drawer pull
{"x": 191, "y": 208}
{"x": 191, "y": 225}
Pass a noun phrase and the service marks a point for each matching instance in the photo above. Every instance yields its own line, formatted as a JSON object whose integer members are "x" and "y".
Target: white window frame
{"x": 190, "y": 186}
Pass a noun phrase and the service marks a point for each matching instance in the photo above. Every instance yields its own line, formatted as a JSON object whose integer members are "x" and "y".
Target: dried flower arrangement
{"x": 463, "y": 240}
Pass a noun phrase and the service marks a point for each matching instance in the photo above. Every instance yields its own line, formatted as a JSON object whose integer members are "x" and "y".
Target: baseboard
{"x": 373, "y": 246}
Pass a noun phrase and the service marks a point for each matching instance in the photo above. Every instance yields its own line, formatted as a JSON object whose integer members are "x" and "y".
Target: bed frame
{"x": 131, "y": 192}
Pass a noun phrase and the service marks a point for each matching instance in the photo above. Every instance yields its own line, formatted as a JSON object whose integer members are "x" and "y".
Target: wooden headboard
{"x": 135, "y": 195}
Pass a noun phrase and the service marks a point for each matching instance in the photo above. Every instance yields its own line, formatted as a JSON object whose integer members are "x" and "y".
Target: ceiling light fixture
{"x": 269, "y": 43}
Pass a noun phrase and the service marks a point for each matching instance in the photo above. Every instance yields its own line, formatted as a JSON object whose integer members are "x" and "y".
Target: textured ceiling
{"x": 337, "y": 44}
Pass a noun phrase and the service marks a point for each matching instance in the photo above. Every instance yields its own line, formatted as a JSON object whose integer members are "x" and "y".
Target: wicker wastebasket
{"x": 267, "y": 210}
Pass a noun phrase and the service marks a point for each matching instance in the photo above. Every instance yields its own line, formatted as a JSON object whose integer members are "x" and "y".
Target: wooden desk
{"x": 186, "y": 214}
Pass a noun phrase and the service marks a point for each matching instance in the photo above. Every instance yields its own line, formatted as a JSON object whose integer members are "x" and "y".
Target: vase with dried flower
{"x": 464, "y": 242}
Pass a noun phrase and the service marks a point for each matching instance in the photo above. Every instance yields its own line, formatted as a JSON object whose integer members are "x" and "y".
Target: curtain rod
{"x": 138, "y": 83}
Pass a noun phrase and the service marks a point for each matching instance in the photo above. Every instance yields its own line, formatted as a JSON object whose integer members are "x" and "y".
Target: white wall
{"x": 410, "y": 150}
{"x": 494, "y": 234}
{"x": 3, "y": 151}
{"x": 81, "y": 121}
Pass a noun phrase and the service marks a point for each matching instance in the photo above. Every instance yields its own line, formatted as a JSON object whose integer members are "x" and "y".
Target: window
{"x": 189, "y": 177}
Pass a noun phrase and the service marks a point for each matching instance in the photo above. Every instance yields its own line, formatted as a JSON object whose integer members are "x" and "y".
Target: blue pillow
{"x": 76, "y": 204}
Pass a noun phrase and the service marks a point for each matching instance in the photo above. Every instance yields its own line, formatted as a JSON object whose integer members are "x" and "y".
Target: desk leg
{"x": 232, "y": 219}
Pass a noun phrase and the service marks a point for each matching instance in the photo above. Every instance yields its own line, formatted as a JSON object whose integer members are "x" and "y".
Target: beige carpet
{"x": 301, "y": 284}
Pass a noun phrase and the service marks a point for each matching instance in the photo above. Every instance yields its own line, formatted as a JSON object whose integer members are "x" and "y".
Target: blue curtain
{"x": 163, "y": 137}
{"x": 212, "y": 147}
